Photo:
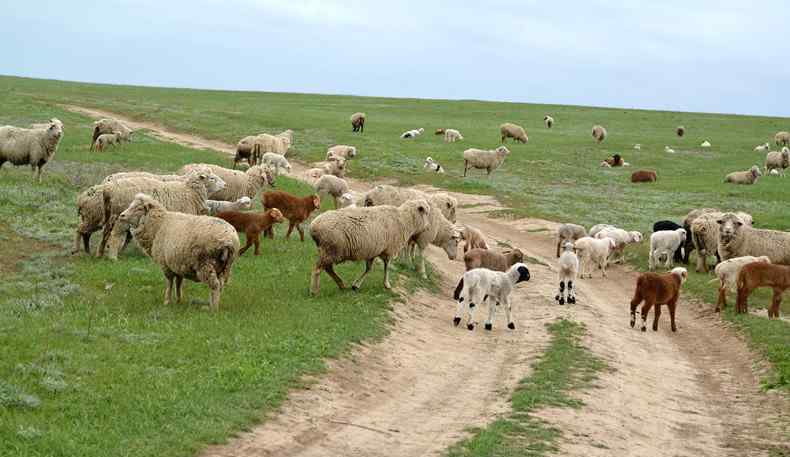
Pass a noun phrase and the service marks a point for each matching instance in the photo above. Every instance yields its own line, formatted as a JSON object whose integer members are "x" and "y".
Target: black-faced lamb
{"x": 567, "y": 271}
{"x": 482, "y": 285}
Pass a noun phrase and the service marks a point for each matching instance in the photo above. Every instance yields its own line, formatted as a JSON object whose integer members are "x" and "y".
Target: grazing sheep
{"x": 452, "y": 135}
{"x": 432, "y": 165}
{"x": 199, "y": 248}
{"x": 440, "y": 232}
{"x": 347, "y": 200}
{"x": 384, "y": 194}
{"x": 482, "y": 285}
{"x": 218, "y": 206}
{"x": 107, "y": 139}
{"x": 567, "y": 270}
{"x": 288, "y": 135}
{"x": 744, "y": 177}
{"x": 365, "y": 234}
{"x": 237, "y": 183}
{"x": 669, "y": 150}
{"x": 705, "y": 144}
{"x": 484, "y": 258}
{"x": 597, "y": 228}
{"x": 473, "y": 238}
{"x": 412, "y": 133}
{"x": 776, "y": 160}
{"x": 644, "y": 176}
{"x": 663, "y": 245}
{"x": 244, "y": 151}
{"x": 548, "y": 121}
{"x": 276, "y": 161}
{"x": 727, "y": 274}
{"x": 622, "y": 238}
{"x": 517, "y": 132}
{"x": 103, "y": 126}
{"x": 141, "y": 174}
{"x": 569, "y": 232}
{"x": 656, "y": 290}
{"x": 252, "y": 224}
{"x": 481, "y": 159}
{"x": 358, "y": 122}
{"x": 34, "y": 147}
{"x": 670, "y": 225}
{"x": 331, "y": 185}
{"x": 341, "y": 150}
{"x": 737, "y": 238}
{"x": 760, "y": 274}
{"x": 599, "y": 133}
{"x": 594, "y": 251}
{"x": 295, "y": 209}
{"x": 705, "y": 236}
{"x": 762, "y": 147}
{"x": 782, "y": 139}
{"x": 680, "y": 131}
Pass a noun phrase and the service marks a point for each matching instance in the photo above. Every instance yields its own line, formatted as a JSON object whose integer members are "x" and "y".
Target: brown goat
{"x": 252, "y": 224}
{"x": 484, "y": 258}
{"x": 295, "y": 209}
{"x": 644, "y": 176}
{"x": 758, "y": 274}
{"x": 656, "y": 290}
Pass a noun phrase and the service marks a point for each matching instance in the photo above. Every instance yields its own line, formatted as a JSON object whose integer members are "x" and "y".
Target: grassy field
{"x": 94, "y": 364}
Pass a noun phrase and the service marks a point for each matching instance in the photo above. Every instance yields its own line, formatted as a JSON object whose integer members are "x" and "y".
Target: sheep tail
{"x": 700, "y": 242}
{"x": 458, "y": 289}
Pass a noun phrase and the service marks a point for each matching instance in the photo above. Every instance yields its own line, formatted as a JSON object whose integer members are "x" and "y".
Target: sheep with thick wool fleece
{"x": 237, "y": 183}
{"x": 347, "y": 200}
{"x": 34, "y": 147}
{"x": 776, "y": 160}
{"x": 276, "y": 161}
{"x": 664, "y": 244}
{"x": 744, "y": 177}
{"x": 738, "y": 238}
{"x": 141, "y": 174}
{"x": 599, "y": 133}
{"x": 482, "y": 159}
{"x": 705, "y": 236}
{"x": 358, "y": 122}
{"x": 331, "y": 185}
{"x": 385, "y": 194}
{"x": 106, "y": 125}
{"x": 510, "y": 130}
{"x": 481, "y": 285}
{"x": 782, "y": 139}
{"x": 594, "y": 251}
{"x": 341, "y": 150}
{"x": 569, "y": 232}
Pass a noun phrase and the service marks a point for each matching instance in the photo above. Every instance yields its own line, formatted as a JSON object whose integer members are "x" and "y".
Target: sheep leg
{"x": 646, "y": 309}
{"x": 466, "y": 167}
{"x": 368, "y": 266}
{"x": 301, "y": 232}
{"x": 603, "y": 268}
{"x": 169, "y": 287}
{"x": 509, "y": 314}
{"x": 773, "y": 311}
{"x": 206, "y": 274}
{"x": 179, "y": 294}
{"x": 116, "y": 240}
{"x": 459, "y": 312}
{"x": 558, "y": 248}
{"x": 77, "y": 238}
{"x": 421, "y": 262}
{"x": 386, "y": 260}
{"x": 256, "y": 238}
{"x": 315, "y": 279}
{"x": 330, "y": 270}
{"x": 106, "y": 231}
{"x": 742, "y": 305}
{"x": 571, "y": 294}
{"x": 474, "y": 299}
{"x": 656, "y": 315}
{"x": 634, "y": 304}
{"x": 247, "y": 244}
{"x": 290, "y": 229}
{"x": 492, "y": 305}
{"x": 651, "y": 260}
{"x": 560, "y": 297}
{"x": 672, "y": 307}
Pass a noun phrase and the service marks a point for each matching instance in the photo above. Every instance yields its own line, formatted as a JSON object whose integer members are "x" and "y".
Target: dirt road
{"x": 693, "y": 393}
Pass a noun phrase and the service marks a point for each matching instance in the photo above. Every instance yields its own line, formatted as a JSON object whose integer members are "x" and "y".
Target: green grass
{"x": 93, "y": 364}
{"x": 566, "y": 365}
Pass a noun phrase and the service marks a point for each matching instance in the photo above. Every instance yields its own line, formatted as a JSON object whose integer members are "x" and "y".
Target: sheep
{"x": 295, "y": 209}
{"x": 481, "y": 159}
{"x": 276, "y": 161}
{"x": 643, "y": 176}
{"x": 614, "y": 161}
{"x": 595, "y": 229}
{"x": 365, "y": 234}
{"x": 341, "y": 150}
{"x": 776, "y": 160}
{"x": 737, "y": 238}
{"x": 548, "y": 121}
{"x": 569, "y": 232}
{"x": 432, "y": 165}
{"x": 727, "y": 275}
{"x": 774, "y": 172}
{"x": 237, "y": 183}
{"x": 440, "y": 232}
{"x": 762, "y": 147}
{"x": 599, "y": 133}
{"x": 680, "y": 131}
{"x": 218, "y": 206}
{"x": 594, "y": 251}
{"x": 481, "y": 285}
{"x": 664, "y": 244}
{"x": 638, "y": 147}
{"x": 759, "y": 274}
{"x": 288, "y": 135}
{"x": 110, "y": 126}
{"x": 244, "y": 151}
{"x": 622, "y": 239}
{"x": 384, "y": 194}
{"x": 705, "y": 144}
{"x": 358, "y": 122}
{"x": 107, "y": 139}
{"x": 484, "y": 258}
{"x": 782, "y": 139}
{"x": 452, "y": 135}
{"x": 568, "y": 269}
{"x": 517, "y": 132}
{"x": 331, "y": 185}
{"x": 670, "y": 225}
{"x": 744, "y": 177}
{"x": 473, "y": 238}
{"x": 199, "y": 248}
{"x": 669, "y": 150}
{"x": 412, "y": 133}
{"x": 335, "y": 166}
{"x": 705, "y": 236}
{"x": 347, "y": 200}
{"x": 265, "y": 143}
{"x": 90, "y": 210}
{"x": 34, "y": 147}
{"x": 141, "y": 174}
{"x": 252, "y": 224}
{"x": 312, "y": 174}
{"x": 687, "y": 221}
{"x": 656, "y": 290}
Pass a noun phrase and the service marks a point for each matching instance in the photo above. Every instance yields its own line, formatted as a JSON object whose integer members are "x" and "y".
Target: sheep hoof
{"x": 571, "y": 300}
{"x": 562, "y": 301}
{"x": 470, "y": 326}
{"x": 489, "y": 326}
{"x": 557, "y": 297}
{"x": 456, "y": 321}
{"x": 674, "y": 329}
{"x": 644, "y": 329}
{"x": 511, "y": 326}
{"x": 354, "y": 287}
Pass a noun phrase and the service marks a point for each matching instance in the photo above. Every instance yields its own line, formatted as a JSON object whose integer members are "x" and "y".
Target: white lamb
{"x": 432, "y": 165}
{"x": 638, "y": 146}
{"x": 663, "y": 245}
{"x": 568, "y": 270}
{"x": 277, "y": 161}
{"x": 480, "y": 285}
{"x": 452, "y": 135}
{"x": 727, "y": 275}
{"x": 412, "y": 133}
{"x": 705, "y": 144}
{"x": 622, "y": 238}
{"x": 669, "y": 150}
{"x": 763, "y": 147}
{"x": 594, "y": 251}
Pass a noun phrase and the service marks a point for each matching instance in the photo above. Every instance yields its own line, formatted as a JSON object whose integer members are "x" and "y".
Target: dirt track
{"x": 694, "y": 393}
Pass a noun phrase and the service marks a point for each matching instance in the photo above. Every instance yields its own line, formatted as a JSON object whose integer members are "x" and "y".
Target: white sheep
{"x": 34, "y": 147}
{"x": 594, "y": 251}
{"x": 779, "y": 161}
{"x": 782, "y": 138}
{"x": 347, "y": 200}
{"x": 774, "y": 172}
{"x": 115, "y": 126}
{"x": 548, "y": 121}
{"x": 237, "y": 183}
{"x": 384, "y": 194}
{"x": 669, "y": 150}
{"x": 334, "y": 166}
{"x": 412, "y": 133}
{"x": 622, "y": 238}
{"x": 432, "y": 165}
{"x": 331, "y": 185}
{"x": 515, "y": 131}
{"x": 106, "y": 139}
{"x": 358, "y": 122}
{"x": 663, "y": 245}
{"x": 705, "y": 144}
{"x": 312, "y": 174}
{"x": 452, "y": 135}
{"x": 737, "y": 238}
{"x": 482, "y": 285}
{"x": 744, "y": 177}
{"x": 762, "y": 147}
{"x": 341, "y": 150}
{"x": 727, "y": 275}
{"x": 276, "y": 161}
{"x": 704, "y": 233}
{"x": 217, "y": 206}
{"x": 595, "y": 229}
{"x": 482, "y": 159}
{"x": 567, "y": 271}
{"x": 637, "y": 146}
{"x": 599, "y": 133}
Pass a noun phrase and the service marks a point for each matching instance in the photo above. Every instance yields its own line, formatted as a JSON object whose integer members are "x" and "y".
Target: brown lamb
{"x": 252, "y": 224}
{"x": 656, "y": 290}
{"x": 484, "y": 258}
{"x": 295, "y": 209}
{"x": 758, "y": 274}
{"x": 644, "y": 176}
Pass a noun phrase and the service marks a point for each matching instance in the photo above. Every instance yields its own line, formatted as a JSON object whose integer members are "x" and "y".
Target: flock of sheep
{"x": 188, "y": 222}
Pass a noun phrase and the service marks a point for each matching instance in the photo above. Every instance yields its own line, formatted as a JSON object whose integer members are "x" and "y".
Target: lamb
{"x": 638, "y": 147}
{"x": 569, "y": 232}
{"x": 141, "y": 174}
{"x": 481, "y": 285}
{"x": 244, "y": 151}
{"x": 432, "y": 165}
{"x": 110, "y": 126}
{"x": 484, "y": 258}
{"x": 777, "y": 161}
{"x": 594, "y": 251}
{"x": 252, "y": 224}
{"x": 727, "y": 275}
{"x": 782, "y": 139}
{"x": 34, "y": 147}
{"x": 107, "y": 139}
{"x": 218, "y": 206}
{"x": 295, "y": 209}
{"x": 656, "y": 290}
{"x": 744, "y": 177}
{"x": 759, "y": 274}
{"x": 412, "y": 133}
{"x": 452, "y": 135}
{"x": 568, "y": 269}
{"x": 331, "y": 185}
{"x": 599, "y": 133}
{"x": 341, "y": 150}
{"x": 597, "y": 228}
{"x": 549, "y": 121}
{"x": 481, "y": 159}
{"x": 517, "y": 132}
{"x": 336, "y": 166}
{"x": 390, "y": 195}
{"x": 622, "y": 238}
{"x": 680, "y": 131}
{"x": 670, "y": 225}
{"x": 276, "y": 161}
{"x": 687, "y": 221}
{"x": 774, "y": 172}
{"x": 198, "y": 248}
{"x": 762, "y": 147}
{"x": 705, "y": 236}
{"x": 358, "y": 122}
{"x": 663, "y": 245}
{"x": 312, "y": 174}
{"x": 644, "y": 176}
{"x": 473, "y": 238}
{"x": 365, "y": 234}
{"x": 237, "y": 183}
{"x": 705, "y": 144}
{"x": 737, "y": 238}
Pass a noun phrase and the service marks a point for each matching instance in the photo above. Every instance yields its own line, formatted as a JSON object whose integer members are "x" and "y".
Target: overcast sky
{"x": 716, "y": 56}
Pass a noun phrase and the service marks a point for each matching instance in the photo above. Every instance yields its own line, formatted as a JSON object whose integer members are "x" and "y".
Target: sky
{"x": 708, "y": 55}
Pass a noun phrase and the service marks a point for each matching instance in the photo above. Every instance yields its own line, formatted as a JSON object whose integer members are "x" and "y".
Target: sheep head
{"x": 682, "y": 233}
{"x": 276, "y": 215}
{"x": 729, "y": 227}
{"x": 138, "y": 210}
{"x": 451, "y": 247}
{"x": 755, "y": 170}
{"x": 522, "y": 271}
{"x": 262, "y": 174}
